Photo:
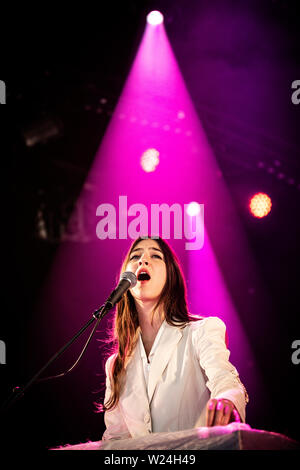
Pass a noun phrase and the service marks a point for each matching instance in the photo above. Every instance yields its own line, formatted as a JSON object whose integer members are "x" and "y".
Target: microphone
{"x": 127, "y": 280}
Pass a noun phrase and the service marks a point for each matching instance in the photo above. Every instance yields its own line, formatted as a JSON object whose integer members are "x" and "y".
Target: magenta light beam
{"x": 128, "y": 178}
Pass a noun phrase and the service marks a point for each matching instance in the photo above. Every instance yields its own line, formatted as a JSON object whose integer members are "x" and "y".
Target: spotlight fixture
{"x": 150, "y": 160}
{"x": 260, "y": 205}
{"x": 154, "y": 18}
{"x": 40, "y": 132}
{"x": 193, "y": 209}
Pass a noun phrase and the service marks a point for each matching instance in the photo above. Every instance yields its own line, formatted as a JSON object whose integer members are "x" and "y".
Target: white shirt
{"x": 147, "y": 362}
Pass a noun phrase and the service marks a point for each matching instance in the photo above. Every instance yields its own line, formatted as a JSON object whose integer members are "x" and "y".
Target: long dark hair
{"x": 174, "y": 301}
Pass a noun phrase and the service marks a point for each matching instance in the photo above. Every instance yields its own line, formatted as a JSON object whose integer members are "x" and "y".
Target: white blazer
{"x": 190, "y": 366}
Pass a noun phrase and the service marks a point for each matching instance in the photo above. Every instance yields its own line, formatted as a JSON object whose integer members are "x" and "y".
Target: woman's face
{"x": 148, "y": 258}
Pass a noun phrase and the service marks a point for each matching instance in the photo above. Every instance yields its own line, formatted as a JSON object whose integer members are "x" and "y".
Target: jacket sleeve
{"x": 116, "y": 427}
{"x": 222, "y": 377}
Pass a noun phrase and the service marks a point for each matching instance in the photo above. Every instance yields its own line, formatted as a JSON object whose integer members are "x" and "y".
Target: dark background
{"x": 64, "y": 70}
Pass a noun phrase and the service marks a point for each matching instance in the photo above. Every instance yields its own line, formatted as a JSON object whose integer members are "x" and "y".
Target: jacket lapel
{"x": 167, "y": 343}
{"x": 135, "y": 380}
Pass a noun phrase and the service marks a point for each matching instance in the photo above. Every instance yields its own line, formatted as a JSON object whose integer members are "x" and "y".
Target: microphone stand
{"x": 18, "y": 392}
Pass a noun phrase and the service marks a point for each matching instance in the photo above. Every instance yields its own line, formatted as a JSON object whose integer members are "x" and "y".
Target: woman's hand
{"x": 220, "y": 412}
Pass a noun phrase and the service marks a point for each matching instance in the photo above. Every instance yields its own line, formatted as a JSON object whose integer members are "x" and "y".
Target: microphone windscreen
{"x": 129, "y": 276}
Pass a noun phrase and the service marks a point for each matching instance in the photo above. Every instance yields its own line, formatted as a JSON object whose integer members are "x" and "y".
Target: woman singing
{"x": 171, "y": 370}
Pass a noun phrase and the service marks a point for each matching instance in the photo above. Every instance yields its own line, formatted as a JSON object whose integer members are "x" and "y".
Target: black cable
{"x": 19, "y": 391}
{"x": 43, "y": 379}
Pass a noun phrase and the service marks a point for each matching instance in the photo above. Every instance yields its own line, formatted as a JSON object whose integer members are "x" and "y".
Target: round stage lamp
{"x": 260, "y": 205}
{"x": 150, "y": 160}
{"x": 193, "y": 209}
{"x": 154, "y": 18}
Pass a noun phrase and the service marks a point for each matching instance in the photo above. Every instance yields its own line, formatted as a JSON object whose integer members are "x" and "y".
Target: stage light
{"x": 150, "y": 160}
{"x": 193, "y": 209}
{"x": 181, "y": 115}
{"x": 154, "y": 18}
{"x": 40, "y": 132}
{"x": 260, "y": 205}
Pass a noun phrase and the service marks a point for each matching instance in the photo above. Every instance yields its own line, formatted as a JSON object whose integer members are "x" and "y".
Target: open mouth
{"x": 143, "y": 276}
